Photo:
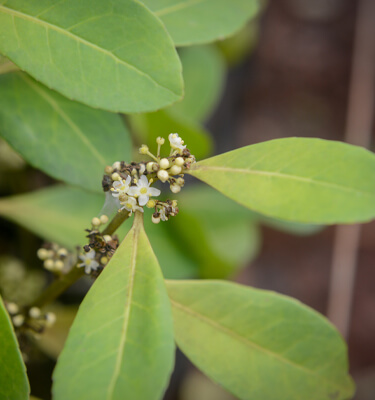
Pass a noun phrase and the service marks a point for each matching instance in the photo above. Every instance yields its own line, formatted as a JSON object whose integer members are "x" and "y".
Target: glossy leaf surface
{"x": 297, "y": 179}
{"x": 121, "y": 343}
{"x": 65, "y": 139}
{"x": 259, "y": 344}
{"x": 13, "y": 379}
{"x": 201, "y": 21}
{"x": 114, "y": 55}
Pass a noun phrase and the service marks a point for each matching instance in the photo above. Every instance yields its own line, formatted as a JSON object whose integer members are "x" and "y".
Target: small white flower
{"x": 143, "y": 191}
{"x": 131, "y": 205}
{"x": 121, "y": 187}
{"x": 88, "y": 261}
{"x": 176, "y": 142}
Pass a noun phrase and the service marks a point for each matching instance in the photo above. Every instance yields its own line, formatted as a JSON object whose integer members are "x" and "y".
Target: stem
{"x": 65, "y": 281}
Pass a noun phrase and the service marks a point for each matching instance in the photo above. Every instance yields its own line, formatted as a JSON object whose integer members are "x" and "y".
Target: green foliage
{"x": 192, "y": 22}
{"x": 297, "y": 179}
{"x": 204, "y": 77}
{"x": 259, "y": 344}
{"x": 63, "y": 138}
{"x": 13, "y": 380}
{"x": 114, "y": 55}
{"x": 121, "y": 343}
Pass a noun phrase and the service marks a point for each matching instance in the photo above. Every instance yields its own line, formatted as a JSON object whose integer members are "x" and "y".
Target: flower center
{"x": 143, "y": 190}
{"x": 87, "y": 261}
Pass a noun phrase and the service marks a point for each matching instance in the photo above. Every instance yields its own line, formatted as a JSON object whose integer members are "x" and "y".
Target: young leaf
{"x": 121, "y": 343}
{"x": 204, "y": 74}
{"x": 297, "y": 179}
{"x": 13, "y": 380}
{"x": 61, "y": 213}
{"x": 114, "y": 55}
{"x": 65, "y": 139}
{"x": 192, "y": 22}
{"x": 258, "y": 344}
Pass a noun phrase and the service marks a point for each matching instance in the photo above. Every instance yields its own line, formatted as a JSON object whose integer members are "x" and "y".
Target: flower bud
{"x": 154, "y": 219}
{"x": 34, "y": 312}
{"x": 175, "y": 170}
{"x": 175, "y": 188}
{"x": 108, "y": 170}
{"x": 143, "y": 149}
{"x": 149, "y": 166}
{"x": 160, "y": 140}
{"x": 42, "y": 254}
{"x": 58, "y": 265}
{"x": 174, "y": 203}
{"x": 62, "y": 252}
{"x": 180, "y": 181}
{"x": 151, "y": 204}
{"x": 116, "y": 177}
{"x": 95, "y": 222}
{"x": 163, "y": 175}
{"x": 116, "y": 165}
{"x": 103, "y": 219}
{"x": 12, "y": 308}
{"x": 50, "y": 318}
{"x": 48, "y": 264}
{"x": 164, "y": 163}
{"x": 104, "y": 260}
{"x": 179, "y": 161}
{"x": 18, "y": 320}
{"x": 107, "y": 238}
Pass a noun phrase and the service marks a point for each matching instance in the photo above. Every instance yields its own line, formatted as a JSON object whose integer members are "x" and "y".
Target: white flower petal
{"x": 153, "y": 191}
{"x": 143, "y": 199}
{"x": 133, "y": 190}
{"x": 94, "y": 264}
{"x": 143, "y": 182}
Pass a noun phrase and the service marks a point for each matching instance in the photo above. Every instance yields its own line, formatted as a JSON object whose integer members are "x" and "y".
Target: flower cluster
{"x": 130, "y": 184}
{"x": 55, "y": 258}
{"x": 99, "y": 250}
{"x": 31, "y": 319}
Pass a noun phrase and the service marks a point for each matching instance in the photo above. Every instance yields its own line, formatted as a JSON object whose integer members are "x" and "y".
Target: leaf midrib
{"x": 75, "y": 128}
{"x": 128, "y": 303}
{"x": 281, "y": 176}
{"x": 56, "y": 28}
{"x": 177, "y": 7}
{"x": 247, "y": 342}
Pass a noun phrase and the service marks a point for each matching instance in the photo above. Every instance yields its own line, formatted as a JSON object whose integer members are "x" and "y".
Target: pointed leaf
{"x": 65, "y": 139}
{"x": 112, "y": 55}
{"x": 121, "y": 343}
{"x": 191, "y": 22}
{"x": 13, "y": 380}
{"x": 297, "y": 179}
{"x": 258, "y": 344}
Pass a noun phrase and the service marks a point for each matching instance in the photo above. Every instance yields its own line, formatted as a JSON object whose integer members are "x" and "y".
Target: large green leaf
{"x": 114, "y": 55}
{"x": 13, "y": 379}
{"x": 204, "y": 74}
{"x": 68, "y": 140}
{"x": 61, "y": 213}
{"x": 201, "y": 21}
{"x": 121, "y": 343}
{"x": 164, "y": 122}
{"x": 297, "y": 179}
{"x": 258, "y": 344}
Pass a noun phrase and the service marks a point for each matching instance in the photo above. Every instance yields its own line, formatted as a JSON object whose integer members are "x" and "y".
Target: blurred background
{"x": 302, "y": 68}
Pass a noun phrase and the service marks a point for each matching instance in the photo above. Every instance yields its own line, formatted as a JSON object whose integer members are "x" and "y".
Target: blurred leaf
{"x": 162, "y": 123}
{"x": 13, "y": 380}
{"x": 272, "y": 347}
{"x": 61, "y": 213}
{"x": 219, "y": 233}
{"x": 65, "y": 139}
{"x": 191, "y": 22}
{"x": 53, "y": 339}
{"x": 294, "y": 228}
{"x": 237, "y": 47}
{"x": 297, "y": 179}
{"x": 204, "y": 74}
{"x": 121, "y": 343}
{"x": 6, "y": 65}
{"x": 112, "y": 55}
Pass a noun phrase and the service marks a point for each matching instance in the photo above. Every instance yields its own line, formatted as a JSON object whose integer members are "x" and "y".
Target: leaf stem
{"x": 65, "y": 281}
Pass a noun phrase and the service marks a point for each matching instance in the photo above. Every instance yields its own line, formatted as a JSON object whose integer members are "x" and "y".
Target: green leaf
{"x": 61, "y": 213}
{"x": 114, "y": 55}
{"x": 294, "y": 228}
{"x": 65, "y": 139}
{"x": 121, "y": 343}
{"x": 204, "y": 75}
{"x": 297, "y": 179}
{"x": 13, "y": 380}
{"x": 201, "y": 21}
{"x": 221, "y": 235}
{"x": 258, "y": 344}
{"x": 163, "y": 122}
